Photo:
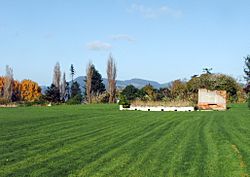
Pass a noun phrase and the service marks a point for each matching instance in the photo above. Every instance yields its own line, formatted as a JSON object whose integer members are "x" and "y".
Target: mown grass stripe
{"x": 99, "y": 140}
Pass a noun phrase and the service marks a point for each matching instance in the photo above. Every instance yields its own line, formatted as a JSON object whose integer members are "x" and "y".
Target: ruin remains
{"x": 156, "y": 108}
{"x": 212, "y": 100}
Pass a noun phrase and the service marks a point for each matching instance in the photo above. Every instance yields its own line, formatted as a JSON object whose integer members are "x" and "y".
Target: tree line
{"x": 14, "y": 91}
{"x": 61, "y": 91}
{"x": 187, "y": 90}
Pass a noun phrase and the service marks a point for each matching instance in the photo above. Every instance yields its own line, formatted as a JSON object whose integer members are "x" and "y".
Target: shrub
{"x": 123, "y": 101}
{"x": 77, "y": 99}
{"x": 4, "y": 101}
{"x": 101, "y": 98}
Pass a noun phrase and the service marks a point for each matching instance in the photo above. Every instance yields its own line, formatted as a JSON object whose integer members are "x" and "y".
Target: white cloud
{"x": 123, "y": 37}
{"x": 98, "y": 45}
{"x": 149, "y": 12}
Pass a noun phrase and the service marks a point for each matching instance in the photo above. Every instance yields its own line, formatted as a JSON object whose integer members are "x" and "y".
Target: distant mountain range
{"x": 138, "y": 83}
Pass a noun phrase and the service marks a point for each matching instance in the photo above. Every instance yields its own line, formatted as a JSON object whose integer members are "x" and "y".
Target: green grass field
{"x": 99, "y": 140}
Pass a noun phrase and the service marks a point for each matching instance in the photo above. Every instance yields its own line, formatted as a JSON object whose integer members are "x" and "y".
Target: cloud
{"x": 98, "y": 45}
{"x": 124, "y": 37}
{"x": 149, "y": 12}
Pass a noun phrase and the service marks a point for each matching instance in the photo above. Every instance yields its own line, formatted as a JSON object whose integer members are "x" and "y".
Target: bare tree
{"x": 57, "y": 75}
{"x": 8, "y": 84}
{"x": 89, "y": 74}
{"x": 63, "y": 86}
{"x": 111, "y": 75}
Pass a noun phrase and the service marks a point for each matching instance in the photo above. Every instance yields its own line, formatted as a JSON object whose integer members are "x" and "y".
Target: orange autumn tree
{"x": 30, "y": 91}
{"x": 1, "y": 86}
{"x": 15, "y": 89}
{"x": 16, "y": 95}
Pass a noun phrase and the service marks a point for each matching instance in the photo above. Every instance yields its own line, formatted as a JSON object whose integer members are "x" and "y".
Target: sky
{"x": 160, "y": 40}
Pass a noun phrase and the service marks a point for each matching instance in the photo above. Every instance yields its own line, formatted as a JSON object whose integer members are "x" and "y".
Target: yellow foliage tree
{"x": 1, "y": 86}
{"x": 30, "y": 91}
{"x": 16, "y": 95}
{"x": 15, "y": 89}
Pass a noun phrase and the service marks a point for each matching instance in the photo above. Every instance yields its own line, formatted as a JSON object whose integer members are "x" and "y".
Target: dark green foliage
{"x": 99, "y": 140}
{"x": 247, "y": 77}
{"x": 52, "y": 94}
{"x": 247, "y": 88}
{"x": 67, "y": 92}
{"x": 150, "y": 92}
{"x": 123, "y": 101}
{"x": 130, "y": 92}
{"x": 76, "y": 96}
{"x": 214, "y": 82}
{"x": 75, "y": 89}
{"x": 141, "y": 94}
{"x": 72, "y": 72}
{"x": 247, "y": 69}
{"x": 104, "y": 98}
{"x": 97, "y": 87}
{"x": 16, "y": 95}
{"x": 77, "y": 99}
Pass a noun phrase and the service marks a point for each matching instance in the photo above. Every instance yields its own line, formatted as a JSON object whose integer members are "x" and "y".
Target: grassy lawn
{"x": 99, "y": 140}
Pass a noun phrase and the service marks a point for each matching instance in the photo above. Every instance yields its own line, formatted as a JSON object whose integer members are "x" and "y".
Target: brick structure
{"x": 212, "y": 100}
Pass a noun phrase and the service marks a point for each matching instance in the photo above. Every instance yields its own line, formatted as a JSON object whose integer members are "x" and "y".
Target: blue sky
{"x": 157, "y": 40}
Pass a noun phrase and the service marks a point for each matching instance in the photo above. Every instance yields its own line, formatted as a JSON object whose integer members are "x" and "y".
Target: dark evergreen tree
{"x": 67, "y": 96}
{"x": 247, "y": 77}
{"x": 75, "y": 89}
{"x": 97, "y": 87}
{"x": 130, "y": 92}
{"x": 247, "y": 68}
{"x": 72, "y": 72}
{"x": 76, "y": 96}
{"x": 52, "y": 94}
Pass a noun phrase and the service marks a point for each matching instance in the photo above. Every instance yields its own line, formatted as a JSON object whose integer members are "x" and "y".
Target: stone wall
{"x": 212, "y": 100}
{"x": 156, "y": 108}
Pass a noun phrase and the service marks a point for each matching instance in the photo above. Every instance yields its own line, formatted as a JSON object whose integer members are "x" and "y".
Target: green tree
{"x": 75, "y": 89}
{"x": 150, "y": 92}
{"x": 247, "y": 68}
{"x": 97, "y": 86}
{"x": 130, "y": 92}
{"x": 178, "y": 90}
{"x": 214, "y": 82}
{"x": 247, "y": 77}
{"x": 72, "y": 72}
{"x": 52, "y": 94}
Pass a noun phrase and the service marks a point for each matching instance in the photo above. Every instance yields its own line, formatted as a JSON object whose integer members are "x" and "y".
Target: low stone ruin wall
{"x": 156, "y": 108}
